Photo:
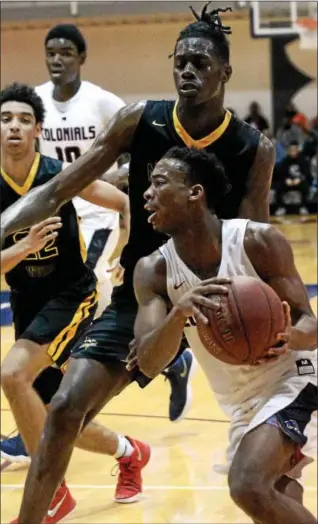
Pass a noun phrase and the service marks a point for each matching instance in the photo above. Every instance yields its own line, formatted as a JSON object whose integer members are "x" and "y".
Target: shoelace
{"x": 114, "y": 470}
{"x": 126, "y": 471}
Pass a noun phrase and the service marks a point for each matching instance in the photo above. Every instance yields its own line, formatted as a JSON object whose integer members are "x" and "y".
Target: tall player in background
{"x": 75, "y": 113}
{"x": 271, "y": 405}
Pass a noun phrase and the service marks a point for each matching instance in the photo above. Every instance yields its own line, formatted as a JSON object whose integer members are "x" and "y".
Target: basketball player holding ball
{"x": 271, "y": 404}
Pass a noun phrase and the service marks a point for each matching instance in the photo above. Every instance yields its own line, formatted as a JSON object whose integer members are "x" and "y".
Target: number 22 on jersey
{"x": 50, "y": 250}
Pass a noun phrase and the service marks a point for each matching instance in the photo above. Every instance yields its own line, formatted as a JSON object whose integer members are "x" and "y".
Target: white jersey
{"x": 232, "y": 385}
{"x": 69, "y": 130}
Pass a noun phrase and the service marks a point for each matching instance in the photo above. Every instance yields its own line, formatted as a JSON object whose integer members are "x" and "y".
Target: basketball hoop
{"x": 307, "y": 28}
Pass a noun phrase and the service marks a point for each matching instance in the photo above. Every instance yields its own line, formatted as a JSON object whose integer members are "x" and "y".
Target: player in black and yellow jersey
{"x": 146, "y": 130}
{"x": 53, "y": 291}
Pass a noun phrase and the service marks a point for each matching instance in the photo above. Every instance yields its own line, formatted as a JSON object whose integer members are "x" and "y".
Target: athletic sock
{"x": 124, "y": 448}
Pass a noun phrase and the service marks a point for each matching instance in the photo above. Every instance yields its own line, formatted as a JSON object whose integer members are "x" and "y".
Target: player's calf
{"x": 264, "y": 456}
{"x": 87, "y": 385}
{"x": 19, "y": 368}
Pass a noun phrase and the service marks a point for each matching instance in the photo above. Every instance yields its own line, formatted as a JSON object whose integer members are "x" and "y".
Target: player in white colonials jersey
{"x": 272, "y": 404}
{"x": 76, "y": 112}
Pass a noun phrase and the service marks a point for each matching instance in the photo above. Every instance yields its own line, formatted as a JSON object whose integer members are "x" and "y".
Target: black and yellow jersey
{"x": 62, "y": 260}
{"x": 234, "y": 143}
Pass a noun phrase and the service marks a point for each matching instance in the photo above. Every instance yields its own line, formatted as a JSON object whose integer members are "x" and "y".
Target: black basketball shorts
{"x": 60, "y": 321}
{"x": 109, "y": 336}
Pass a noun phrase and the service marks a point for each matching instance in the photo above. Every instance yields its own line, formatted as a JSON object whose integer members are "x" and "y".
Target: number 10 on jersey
{"x": 69, "y": 154}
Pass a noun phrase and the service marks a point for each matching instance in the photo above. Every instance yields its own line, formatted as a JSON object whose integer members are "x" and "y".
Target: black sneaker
{"x": 179, "y": 375}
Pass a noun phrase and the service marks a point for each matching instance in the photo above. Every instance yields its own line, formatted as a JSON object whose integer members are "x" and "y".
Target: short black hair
{"x": 69, "y": 32}
{"x": 209, "y": 25}
{"x": 23, "y": 93}
{"x": 205, "y": 169}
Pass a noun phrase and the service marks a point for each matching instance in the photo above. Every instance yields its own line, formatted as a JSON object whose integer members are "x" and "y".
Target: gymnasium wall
{"x": 131, "y": 59}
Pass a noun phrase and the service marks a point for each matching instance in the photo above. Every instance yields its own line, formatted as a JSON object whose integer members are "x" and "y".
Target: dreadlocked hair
{"x": 209, "y": 25}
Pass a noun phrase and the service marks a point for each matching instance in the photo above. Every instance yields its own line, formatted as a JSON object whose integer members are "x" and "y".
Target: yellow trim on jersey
{"x": 205, "y": 141}
{"x": 60, "y": 342}
{"x": 21, "y": 190}
{"x": 83, "y": 248}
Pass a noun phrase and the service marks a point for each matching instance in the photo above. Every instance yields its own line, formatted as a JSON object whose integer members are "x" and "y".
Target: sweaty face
{"x": 198, "y": 71}
{"x": 168, "y": 196}
{"x": 18, "y": 128}
{"x": 63, "y": 61}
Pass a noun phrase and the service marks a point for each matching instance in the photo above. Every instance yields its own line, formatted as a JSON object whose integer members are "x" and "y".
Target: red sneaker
{"x": 129, "y": 485}
{"x": 61, "y": 507}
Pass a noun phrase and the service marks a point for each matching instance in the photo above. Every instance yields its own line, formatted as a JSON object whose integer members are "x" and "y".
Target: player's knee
{"x": 13, "y": 378}
{"x": 66, "y": 411}
{"x": 247, "y": 489}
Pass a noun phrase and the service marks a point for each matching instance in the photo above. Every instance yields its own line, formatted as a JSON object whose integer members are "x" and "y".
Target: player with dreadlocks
{"x": 146, "y": 130}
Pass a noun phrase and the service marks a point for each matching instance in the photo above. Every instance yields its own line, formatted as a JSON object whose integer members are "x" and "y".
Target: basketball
{"x": 245, "y": 324}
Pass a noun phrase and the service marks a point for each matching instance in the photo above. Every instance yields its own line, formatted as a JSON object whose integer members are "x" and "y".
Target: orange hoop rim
{"x": 307, "y": 24}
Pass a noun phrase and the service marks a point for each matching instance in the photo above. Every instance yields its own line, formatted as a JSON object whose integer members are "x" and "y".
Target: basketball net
{"x": 307, "y": 28}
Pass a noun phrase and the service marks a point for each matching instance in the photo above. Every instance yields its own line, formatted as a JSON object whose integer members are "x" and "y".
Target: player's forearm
{"x": 155, "y": 350}
{"x": 32, "y": 208}
{"x": 103, "y": 194}
{"x": 13, "y": 255}
{"x": 304, "y": 334}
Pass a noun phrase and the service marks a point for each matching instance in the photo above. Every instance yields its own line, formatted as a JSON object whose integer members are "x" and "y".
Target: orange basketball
{"x": 245, "y": 324}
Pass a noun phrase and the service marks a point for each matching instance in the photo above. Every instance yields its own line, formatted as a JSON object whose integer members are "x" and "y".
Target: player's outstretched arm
{"x": 45, "y": 200}
{"x": 255, "y": 205}
{"x": 158, "y": 334}
{"x": 272, "y": 257}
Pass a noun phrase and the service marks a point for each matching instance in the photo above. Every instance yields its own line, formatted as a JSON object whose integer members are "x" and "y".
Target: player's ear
{"x": 37, "y": 130}
{"x": 82, "y": 57}
{"x": 227, "y": 73}
{"x": 196, "y": 192}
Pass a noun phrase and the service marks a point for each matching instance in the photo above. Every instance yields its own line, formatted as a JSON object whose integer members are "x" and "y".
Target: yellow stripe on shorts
{"x": 60, "y": 342}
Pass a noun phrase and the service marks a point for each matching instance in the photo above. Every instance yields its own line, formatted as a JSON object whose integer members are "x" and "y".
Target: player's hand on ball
{"x": 282, "y": 339}
{"x": 42, "y": 233}
{"x": 189, "y": 304}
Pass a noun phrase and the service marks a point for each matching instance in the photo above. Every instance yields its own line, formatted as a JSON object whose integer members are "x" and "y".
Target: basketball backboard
{"x": 283, "y": 18}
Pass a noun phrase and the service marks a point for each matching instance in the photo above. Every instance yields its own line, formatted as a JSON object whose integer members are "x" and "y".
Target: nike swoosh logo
{"x": 185, "y": 369}
{"x": 51, "y": 513}
{"x": 158, "y": 124}
{"x": 176, "y": 286}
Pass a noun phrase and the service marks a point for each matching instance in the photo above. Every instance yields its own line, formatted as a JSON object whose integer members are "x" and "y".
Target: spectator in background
{"x": 292, "y": 174}
{"x": 290, "y": 132}
{"x": 256, "y": 119}
{"x": 298, "y": 118}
